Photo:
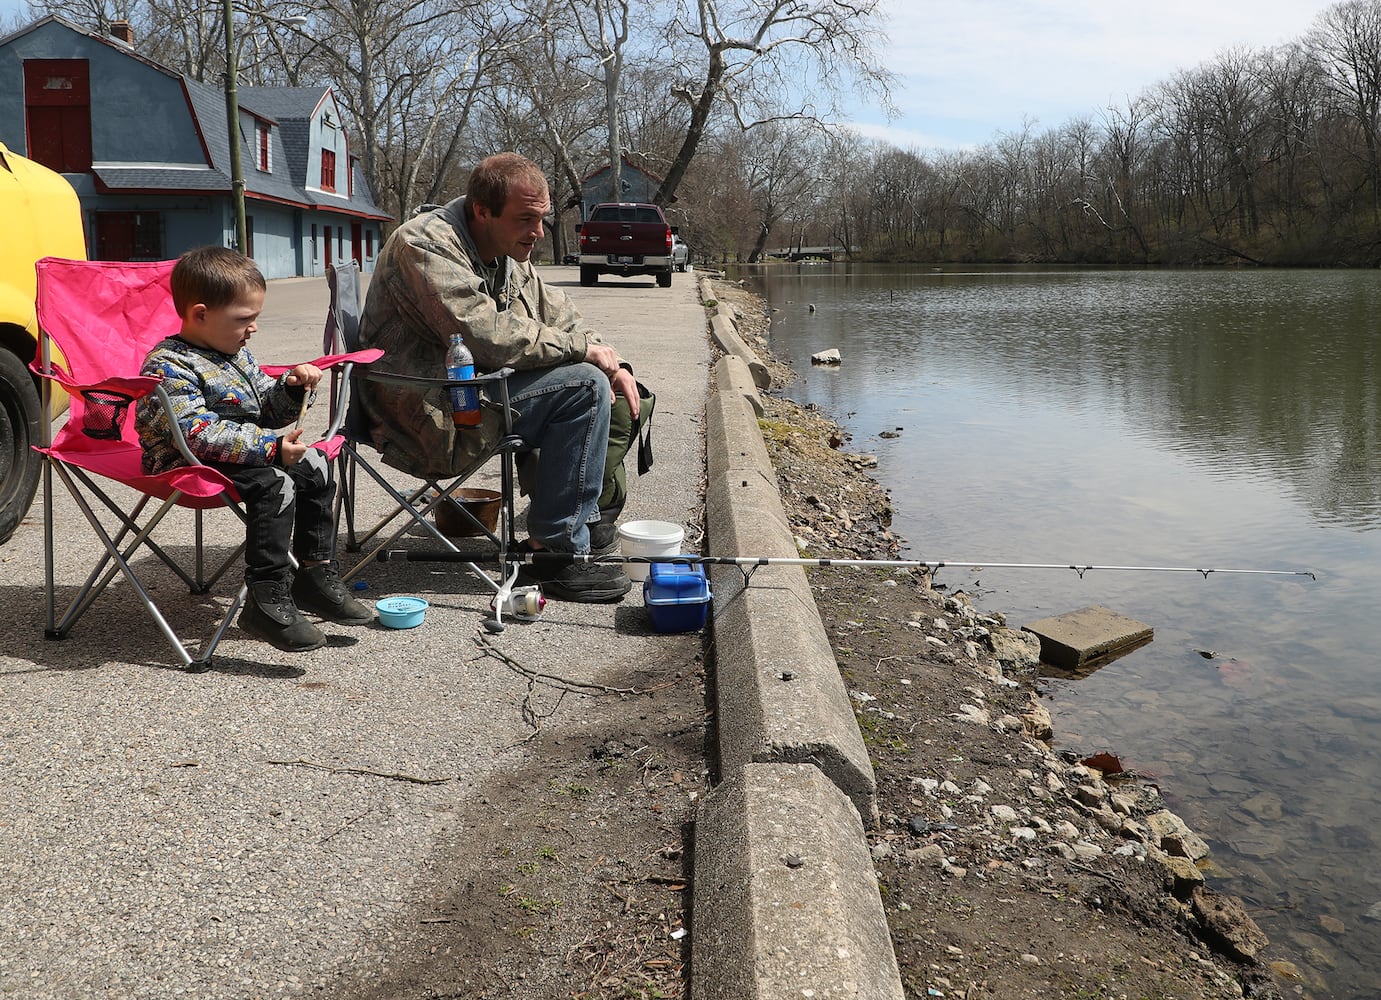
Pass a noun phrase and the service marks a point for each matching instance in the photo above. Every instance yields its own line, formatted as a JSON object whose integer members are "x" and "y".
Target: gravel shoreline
{"x": 1006, "y": 869}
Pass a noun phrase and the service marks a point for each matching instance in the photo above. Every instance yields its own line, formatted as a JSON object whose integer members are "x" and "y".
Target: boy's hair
{"x": 495, "y": 176}
{"x": 214, "y": 276}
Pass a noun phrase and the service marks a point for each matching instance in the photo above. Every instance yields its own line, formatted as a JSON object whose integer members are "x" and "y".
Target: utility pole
{"x": 232, "y": 113}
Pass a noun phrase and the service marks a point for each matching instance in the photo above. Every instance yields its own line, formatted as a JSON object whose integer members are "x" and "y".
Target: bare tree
{"x": 1346, "y": 39}
{"x": 769, "y": 59}
{"x": 94, "y": 14}
{"x": 603, "y": 27}
{"x": 781, "y": 164}
{"x": 393, "y": 61}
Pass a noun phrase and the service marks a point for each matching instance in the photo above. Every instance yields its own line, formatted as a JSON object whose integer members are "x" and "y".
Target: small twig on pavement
{"x": 573, "y": 685}
{"x": 346, "y": 825}
{"x": 390, "y": 775}
{"x": 530, "y": 715}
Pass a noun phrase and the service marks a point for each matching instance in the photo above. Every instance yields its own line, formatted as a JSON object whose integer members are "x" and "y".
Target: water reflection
{"x": 1165, "y": 418}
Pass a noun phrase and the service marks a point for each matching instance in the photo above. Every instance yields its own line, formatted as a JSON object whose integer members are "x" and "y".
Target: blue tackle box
{"x": 677, "y": 596}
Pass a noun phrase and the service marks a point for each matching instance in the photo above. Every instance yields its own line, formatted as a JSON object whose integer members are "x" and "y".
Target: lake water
{"x": 1209, "y": 419}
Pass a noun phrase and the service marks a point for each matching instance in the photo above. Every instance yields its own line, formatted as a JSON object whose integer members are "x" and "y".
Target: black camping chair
{"x": 416, "y": 507}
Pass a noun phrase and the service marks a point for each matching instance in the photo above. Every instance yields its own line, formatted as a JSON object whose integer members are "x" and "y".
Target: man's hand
{"x": 621, "y": 381}
{"x": 624, "y": 384}
{"x": 603, "y": 357}
{"x": 290, "y": 449}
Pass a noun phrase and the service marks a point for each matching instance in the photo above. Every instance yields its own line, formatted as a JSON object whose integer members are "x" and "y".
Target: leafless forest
{"x": 1266, "y": 156}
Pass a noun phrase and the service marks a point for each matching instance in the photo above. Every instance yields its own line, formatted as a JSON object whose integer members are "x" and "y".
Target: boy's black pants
{"x": 288, "y": 510}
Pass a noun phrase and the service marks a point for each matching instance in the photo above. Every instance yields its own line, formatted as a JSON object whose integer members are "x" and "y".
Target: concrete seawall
{"x": 786, "y": 898}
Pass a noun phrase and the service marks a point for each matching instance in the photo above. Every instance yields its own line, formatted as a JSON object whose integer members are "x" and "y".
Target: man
{"x": 464, "y": 268}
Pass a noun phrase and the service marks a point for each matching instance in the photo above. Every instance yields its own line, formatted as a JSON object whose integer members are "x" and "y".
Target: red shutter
{"x": 328, "y": 170}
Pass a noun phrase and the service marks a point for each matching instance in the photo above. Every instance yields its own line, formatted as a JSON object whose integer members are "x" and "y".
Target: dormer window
{"x": 262, "y": 135}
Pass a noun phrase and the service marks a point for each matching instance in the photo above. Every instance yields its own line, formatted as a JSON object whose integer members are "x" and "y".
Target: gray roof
{"x": 289, "y": 109}
{"x": 282, "y": 102}
{"x": 293, "y": 108}
{"x": 149, "y": 178}
{"x": 208, "y": 108}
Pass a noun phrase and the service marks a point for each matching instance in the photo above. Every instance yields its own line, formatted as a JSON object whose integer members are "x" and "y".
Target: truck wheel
{"x": 588, "y": 275}
{"x": 19, "y": 427}
{"x": 664, "y": 278}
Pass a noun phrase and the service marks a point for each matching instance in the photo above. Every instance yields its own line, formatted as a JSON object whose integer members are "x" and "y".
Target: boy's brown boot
{"x": 319, "y": 590}
{"x": 271, "y": 615}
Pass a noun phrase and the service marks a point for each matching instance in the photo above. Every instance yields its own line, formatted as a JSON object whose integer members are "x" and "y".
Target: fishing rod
{"x": 752, "y": 562}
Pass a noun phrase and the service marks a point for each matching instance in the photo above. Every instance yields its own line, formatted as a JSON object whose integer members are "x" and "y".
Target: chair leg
{"x": 118, "y": 551}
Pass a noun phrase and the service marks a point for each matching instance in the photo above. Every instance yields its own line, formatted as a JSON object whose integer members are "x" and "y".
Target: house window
{"x": 328, "y": 170}
{"x": 261, "y": 134}
{"x": 129, "y": 236}
{"x": 249, "y": 236}
{"x": 369, "y": 244}
{"x": 57, "y": 110}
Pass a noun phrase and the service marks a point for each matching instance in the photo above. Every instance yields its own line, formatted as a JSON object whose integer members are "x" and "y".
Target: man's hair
{"x": 497, "y": 175}
{"x": 214, "y": 276}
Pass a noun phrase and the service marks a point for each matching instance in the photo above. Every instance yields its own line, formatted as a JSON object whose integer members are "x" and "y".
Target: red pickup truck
{"x": 625, "y": 238}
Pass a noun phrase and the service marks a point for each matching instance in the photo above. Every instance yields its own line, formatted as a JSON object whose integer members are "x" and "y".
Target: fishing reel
{"x": 523, "y": 603}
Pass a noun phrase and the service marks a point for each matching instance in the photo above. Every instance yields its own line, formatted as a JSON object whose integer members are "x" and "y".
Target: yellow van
{"x": 42, "y": 219}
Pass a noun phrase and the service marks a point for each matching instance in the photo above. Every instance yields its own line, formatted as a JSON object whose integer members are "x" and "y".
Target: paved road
{"x": 146, "y": 850}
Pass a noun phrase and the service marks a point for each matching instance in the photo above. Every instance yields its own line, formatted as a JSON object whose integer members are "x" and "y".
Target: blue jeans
{"x": 564, "y": 413}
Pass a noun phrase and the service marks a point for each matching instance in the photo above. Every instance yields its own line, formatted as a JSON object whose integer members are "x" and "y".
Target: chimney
{"x": 121, "y": 31}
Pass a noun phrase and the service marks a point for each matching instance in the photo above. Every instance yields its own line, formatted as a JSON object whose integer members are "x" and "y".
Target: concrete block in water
{"x": 1074, "y": 639}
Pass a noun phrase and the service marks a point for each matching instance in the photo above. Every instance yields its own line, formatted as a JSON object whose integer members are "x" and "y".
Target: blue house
{"x": 635, "y": 184}
{"x": 147, "y": 150}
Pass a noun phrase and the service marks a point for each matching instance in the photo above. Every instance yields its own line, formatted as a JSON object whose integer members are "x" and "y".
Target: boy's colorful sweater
{"x": 227, "y": 408}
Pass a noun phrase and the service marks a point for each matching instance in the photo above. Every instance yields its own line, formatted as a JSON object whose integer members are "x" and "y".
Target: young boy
{"x": 227, "y": 409}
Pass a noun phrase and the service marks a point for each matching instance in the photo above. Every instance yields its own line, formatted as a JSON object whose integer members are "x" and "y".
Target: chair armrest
{"x": 134, "y": 386}
{"x": 328, "y": 361}
{"x": 423, "y": 382}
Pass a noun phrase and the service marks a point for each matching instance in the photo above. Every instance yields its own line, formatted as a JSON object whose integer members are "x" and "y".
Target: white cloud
{"x": 968, "y": 70}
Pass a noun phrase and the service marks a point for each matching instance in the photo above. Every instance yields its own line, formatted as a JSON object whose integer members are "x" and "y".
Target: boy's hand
{"x": 290, "y": 449}
{"x": 304, "y": 375}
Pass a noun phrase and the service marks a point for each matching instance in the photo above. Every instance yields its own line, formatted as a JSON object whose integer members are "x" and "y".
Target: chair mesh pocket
{"x": 105, "y": 413}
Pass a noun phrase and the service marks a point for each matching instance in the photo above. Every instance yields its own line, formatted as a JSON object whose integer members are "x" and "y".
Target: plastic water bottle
{"x": 465, "y": 399}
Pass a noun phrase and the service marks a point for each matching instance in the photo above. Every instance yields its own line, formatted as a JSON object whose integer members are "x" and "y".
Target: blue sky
{"x": 968, "y": 69}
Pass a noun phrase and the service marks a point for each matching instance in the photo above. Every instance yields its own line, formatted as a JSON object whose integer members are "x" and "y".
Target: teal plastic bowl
{"x": 400, "y": 612}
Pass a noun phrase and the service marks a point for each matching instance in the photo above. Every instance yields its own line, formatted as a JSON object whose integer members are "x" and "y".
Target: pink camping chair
{"x": 97, "y": 322}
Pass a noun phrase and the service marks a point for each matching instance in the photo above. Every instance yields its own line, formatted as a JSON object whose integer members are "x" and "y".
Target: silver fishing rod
{"x": 532, "y": 558}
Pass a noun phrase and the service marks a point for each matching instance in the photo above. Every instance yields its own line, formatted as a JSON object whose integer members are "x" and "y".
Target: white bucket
{"x": 648, "y": 538}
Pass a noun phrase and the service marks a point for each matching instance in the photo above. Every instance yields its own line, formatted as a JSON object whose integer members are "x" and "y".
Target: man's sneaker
{"x": 604, "y": 538}
{"x": 586, "y": 583}
{"x": 319, "y": 590}
{"x": 271, "y": 615}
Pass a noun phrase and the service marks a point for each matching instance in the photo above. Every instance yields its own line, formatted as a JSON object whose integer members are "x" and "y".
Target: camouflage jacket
{"x": 428, "y": 284}
{"x": 226, "y": 406}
